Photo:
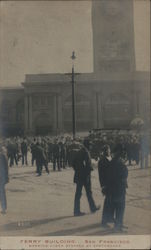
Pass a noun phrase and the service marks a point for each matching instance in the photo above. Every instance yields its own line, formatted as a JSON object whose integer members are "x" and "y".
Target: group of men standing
{"x": 56, "y": 151}
{"x": 17, "y": 149}
{"x": 43, "y": 151}
{"x": 112, "y": 170}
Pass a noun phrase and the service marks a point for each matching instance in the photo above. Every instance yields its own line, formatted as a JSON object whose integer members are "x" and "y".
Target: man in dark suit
{"x": 24, "y": 150}
{"x": 12, "y": 152}
{"x": 40, "y": 158}
{"x": 82, "y": 177}
{"x": 104, "y": 170}
{"x": 119, "y": 174}
{"x": 56, "y": 155}
{"x": 50, "y": 150}
{"x": 3, "y": 178}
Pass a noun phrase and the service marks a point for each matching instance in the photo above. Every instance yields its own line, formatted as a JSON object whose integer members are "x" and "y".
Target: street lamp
{"x": 73, "y": 57}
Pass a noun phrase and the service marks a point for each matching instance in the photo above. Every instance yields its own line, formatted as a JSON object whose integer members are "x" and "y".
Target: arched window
{"x": 43, "y": 124}
{"x": 82, "y": 110}
{"x": 117, "y": 110}
{"x": 6, "y": 111}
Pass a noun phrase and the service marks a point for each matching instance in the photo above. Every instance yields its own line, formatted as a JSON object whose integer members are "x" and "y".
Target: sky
{"x": 39, "y": 37}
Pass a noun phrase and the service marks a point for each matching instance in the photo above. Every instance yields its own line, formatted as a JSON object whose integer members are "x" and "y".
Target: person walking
{"x": 3, "y": 178}
{"x": 41, "y": 158}
{"x": 82, "y": 177}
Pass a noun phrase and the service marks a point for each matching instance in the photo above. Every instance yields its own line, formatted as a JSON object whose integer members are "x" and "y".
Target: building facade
{"x": 110, "y": 97}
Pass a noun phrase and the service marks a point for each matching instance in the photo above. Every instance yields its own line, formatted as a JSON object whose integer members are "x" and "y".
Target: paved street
{"x": 43, "y": 206}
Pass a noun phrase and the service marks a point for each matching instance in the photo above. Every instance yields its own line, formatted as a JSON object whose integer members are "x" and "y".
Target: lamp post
{"x": 73, "y": 57}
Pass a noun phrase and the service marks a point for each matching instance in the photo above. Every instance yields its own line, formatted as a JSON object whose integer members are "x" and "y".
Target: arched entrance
{"x": 43, "y": 124}
{"x": 20, "y": 111}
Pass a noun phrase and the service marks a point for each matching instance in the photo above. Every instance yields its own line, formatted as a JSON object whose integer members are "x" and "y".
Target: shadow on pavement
{"x": 20, "y": 225}
{"x": 16, "y": 190}
{"x": 109, "y": 231}
{"x": 79, "y": 230}
{"x": 24, "y": 174}
{"x": 73, "y": 231}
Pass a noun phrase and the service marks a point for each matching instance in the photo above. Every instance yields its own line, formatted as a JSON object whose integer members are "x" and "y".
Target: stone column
{"x": 97, "y": 111}
{"x": 94, "y": 101}
{"x": 26, "y": 113}
{"x": 55, "y": 114}
{"x": 100, "y": 109}
{"x": 30, "y": 114}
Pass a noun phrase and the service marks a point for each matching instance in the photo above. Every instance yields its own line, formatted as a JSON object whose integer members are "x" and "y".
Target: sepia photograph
{"x": 75, "y": 124}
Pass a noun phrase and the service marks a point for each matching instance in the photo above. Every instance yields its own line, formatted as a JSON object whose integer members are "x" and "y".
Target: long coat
{"x": 119, "y": 174}
{"x": 40, "y": 155}
{"x": 104, "y": 170}
{"x": 3, "y": 169}
{"x": 82, "y": 165}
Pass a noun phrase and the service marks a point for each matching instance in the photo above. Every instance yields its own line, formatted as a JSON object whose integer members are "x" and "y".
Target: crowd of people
{"x": 43, "y": 150}
{"x": 136, "y": 146}
{"x": 59, "y": 149}
{"x": 113, "y": 150}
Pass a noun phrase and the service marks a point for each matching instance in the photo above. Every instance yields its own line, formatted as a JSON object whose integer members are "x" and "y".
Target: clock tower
{"x": 113, "y": 36}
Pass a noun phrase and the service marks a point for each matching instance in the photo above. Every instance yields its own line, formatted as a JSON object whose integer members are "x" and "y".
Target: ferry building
{"x": 110, "y": 97}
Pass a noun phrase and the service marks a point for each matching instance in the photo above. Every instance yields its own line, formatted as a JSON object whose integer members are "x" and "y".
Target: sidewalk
{"x": 43, "y": 206}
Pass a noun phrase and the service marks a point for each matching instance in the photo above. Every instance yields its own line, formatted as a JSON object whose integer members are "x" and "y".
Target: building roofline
{"x": 11, "y": 88}
{"x": 61, "y": 78}
{"x": 53, "y": 79}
